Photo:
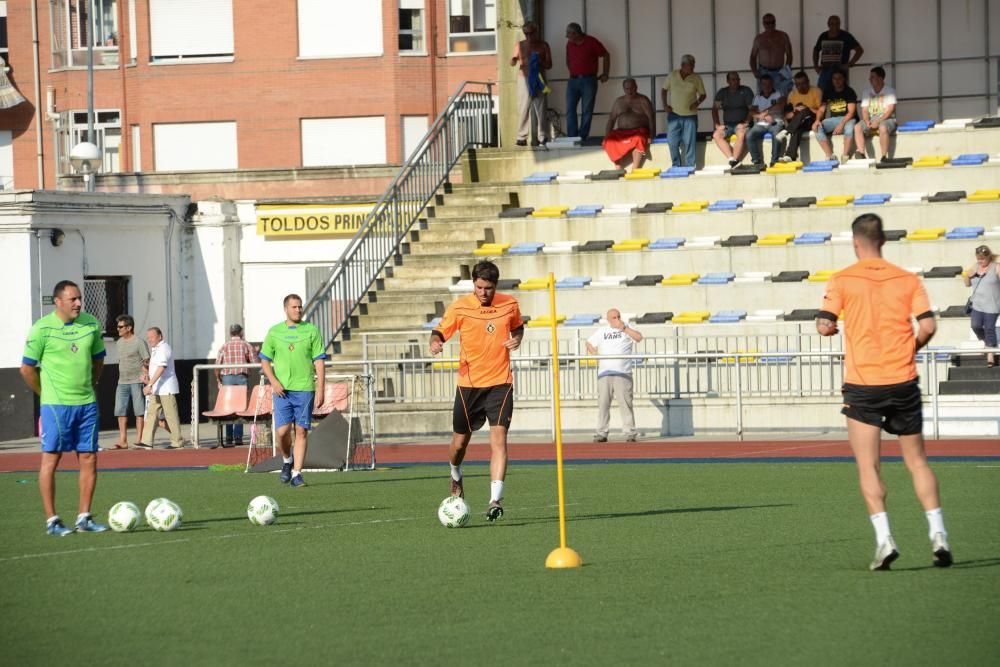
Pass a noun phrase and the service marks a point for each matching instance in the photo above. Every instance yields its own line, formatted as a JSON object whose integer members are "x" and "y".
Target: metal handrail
{"x": 466, "y": 121}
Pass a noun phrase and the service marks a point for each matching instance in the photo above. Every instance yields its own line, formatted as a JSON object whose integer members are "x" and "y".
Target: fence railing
{"x": 466, "y": 121}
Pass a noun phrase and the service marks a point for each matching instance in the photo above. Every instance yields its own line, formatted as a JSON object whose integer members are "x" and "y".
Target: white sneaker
{"x": 942, "y": 552}
{"x": 885, "y": 554}
{"x": 785, "y": 159}
{"x": 781, "y": 135}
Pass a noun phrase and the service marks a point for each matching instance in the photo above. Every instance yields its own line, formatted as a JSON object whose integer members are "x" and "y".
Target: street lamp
{"x": 86, "y": 159}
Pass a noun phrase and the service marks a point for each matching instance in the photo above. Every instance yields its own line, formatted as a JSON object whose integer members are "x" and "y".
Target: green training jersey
{"x": 65, "y": 354}
{"x": 292, "y": 351}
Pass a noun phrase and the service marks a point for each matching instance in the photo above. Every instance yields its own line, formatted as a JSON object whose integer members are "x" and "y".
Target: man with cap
{"x": 234, "y": 351}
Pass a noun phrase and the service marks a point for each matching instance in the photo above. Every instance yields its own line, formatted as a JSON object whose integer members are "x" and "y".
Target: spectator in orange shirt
{"x": 491, "y": 328}
{"x": 881, "y": 391}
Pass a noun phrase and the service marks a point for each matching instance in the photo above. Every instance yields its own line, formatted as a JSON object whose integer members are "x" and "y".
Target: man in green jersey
{"x": 291, "y": 356}
{"x": 62, "y": 361}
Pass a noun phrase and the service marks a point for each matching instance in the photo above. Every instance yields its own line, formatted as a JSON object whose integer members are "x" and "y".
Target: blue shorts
{"x": 69, "y": 428}
{"x": 130, "y": 394}
{"x": 296, "y": 406}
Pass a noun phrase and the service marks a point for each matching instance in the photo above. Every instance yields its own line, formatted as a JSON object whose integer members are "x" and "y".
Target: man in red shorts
{"x": 630, "y": 127}
{"x": 881, "y": 391}
{"x": 490, "y": 326}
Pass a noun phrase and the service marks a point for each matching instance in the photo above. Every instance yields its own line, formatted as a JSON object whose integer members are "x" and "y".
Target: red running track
{"x": 438, "y": 452}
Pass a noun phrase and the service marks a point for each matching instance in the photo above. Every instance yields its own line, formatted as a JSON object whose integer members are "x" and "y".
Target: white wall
{"x": 6, "y": 160}
{"x": 17, "y": 268}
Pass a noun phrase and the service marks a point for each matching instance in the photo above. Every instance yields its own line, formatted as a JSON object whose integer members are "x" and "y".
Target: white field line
{"x": 781, "y": 449}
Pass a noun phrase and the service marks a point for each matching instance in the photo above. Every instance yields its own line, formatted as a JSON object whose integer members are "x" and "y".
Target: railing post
{"x": 934, "y": 396}
{"x": 195, "y": 412}
{"x": 739, "y": 398}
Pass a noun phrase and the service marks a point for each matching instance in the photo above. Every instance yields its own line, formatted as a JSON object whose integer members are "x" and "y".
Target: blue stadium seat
{"x": 970, "y": 159}
{"x": 668, "y": 243}
{"x": 541, "y": 177}
{"x": 812, "y": 238}
{"x": 915, "y": 126}
{"x": 582, "y": 320}
{"x": 573, "y": 282}
{"x": 875, "y": 199}
{"x": 659, "y": 139}
{"x": 717, "y": 278}
{"x": 433, "y": 323}
{"x": 965, "y": 233}
{"x": 726, "y": 205}
{"x": 727, "y": 316}
{"x": 821, "y": 165}
{"x": 529, "y": 248}
{"x": 677, "y": 172}
{"x": 585, "y": 211}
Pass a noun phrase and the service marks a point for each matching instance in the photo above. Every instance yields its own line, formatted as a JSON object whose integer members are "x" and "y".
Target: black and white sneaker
{"x": 494, "y": 511}
{"x": 885, "y": 554}
{"x": 285, "y": 476}
{"x": 942, "y": 552}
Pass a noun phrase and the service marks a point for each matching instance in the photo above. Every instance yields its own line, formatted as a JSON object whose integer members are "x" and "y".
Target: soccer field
{"x": 762, "y": 563}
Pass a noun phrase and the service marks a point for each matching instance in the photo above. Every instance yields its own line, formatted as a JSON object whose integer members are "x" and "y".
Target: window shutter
{"x": 191, "y": 28}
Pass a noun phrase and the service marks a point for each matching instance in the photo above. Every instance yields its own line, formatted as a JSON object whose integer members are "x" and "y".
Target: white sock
{"x": 881, "y": 523}
{"x": 496, "y": 490}
{"x": 456, "y": 472}
{"x": 296, "y": 473}
{"x": 935, "y": 523}
{"x": 52, "y": 519}
{"x": 286, "y": 459}
{"x": 82, "y": 516}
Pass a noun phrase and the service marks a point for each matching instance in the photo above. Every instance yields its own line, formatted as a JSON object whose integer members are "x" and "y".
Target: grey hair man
{"x": 614, "y": 376}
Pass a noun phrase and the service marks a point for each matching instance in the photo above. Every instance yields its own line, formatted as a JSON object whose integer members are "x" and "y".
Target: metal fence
{"x": 467, "y": 121}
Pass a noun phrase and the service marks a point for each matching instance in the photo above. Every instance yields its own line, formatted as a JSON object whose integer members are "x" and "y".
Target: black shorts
{"x": 474, "y": 405}
{"x": 896, "y": 408}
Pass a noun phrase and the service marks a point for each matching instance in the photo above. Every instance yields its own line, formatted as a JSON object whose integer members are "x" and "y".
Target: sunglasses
{"x": 982, "y": 250}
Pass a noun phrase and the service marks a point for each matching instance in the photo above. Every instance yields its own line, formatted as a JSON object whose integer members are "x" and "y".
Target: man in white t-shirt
{"x": 878, "y": 114}
{"x": 614, "y": 376}
{"x": 767, "y": 113}
{"x": 162, "y": 389}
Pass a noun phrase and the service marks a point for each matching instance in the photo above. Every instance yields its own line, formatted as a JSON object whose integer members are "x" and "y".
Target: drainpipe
{"x": 38, "y": 95}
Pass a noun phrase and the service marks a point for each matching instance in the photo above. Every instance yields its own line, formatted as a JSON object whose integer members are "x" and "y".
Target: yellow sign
{"x": 329, "y": 221}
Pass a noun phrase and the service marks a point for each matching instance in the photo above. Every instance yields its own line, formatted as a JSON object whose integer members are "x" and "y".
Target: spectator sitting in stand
{"x": 804, "y": 103}
{"x": 630, "y": 127}
{"x": 735, "y": 101}
{"x": 767, "y": 109}
{"x": 878, "y": 114}
{"x": 836, "y": 116}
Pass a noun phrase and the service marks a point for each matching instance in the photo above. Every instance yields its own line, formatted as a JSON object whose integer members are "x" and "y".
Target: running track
{"x": 654, "y": 452}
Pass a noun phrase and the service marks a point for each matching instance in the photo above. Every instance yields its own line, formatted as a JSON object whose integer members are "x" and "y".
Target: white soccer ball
{"x": 263, "y": 511}
{"x": 163, "y": 514}
{"x": 453, "y": 512}
{"x": 124, "y": 517}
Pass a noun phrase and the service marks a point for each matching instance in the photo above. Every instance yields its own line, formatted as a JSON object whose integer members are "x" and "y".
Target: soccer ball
{"x": 262, "y": 511}
{"x": 453, "y": 512}
{"x": 164, "y": 515}
{"x": 123, "y": 517}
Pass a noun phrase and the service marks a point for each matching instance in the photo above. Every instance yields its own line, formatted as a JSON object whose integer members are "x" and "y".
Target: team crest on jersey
{"x": 490, "y": 328}
{"x": 291, "y": 347}
{"x": 74, "y": 348}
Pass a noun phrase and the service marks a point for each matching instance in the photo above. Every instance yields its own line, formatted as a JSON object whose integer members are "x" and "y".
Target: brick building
{"x": 239, "y": 99}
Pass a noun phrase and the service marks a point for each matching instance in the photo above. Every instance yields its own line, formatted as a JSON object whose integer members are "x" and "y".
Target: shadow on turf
{"x": 284, "y": 515}
{"x": 383, "y": 480}
{"x": 959, "y": 565}
{"x": 625, "y": 515}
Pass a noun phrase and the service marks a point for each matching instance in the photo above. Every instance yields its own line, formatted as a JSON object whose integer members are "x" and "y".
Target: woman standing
{"x": 984, "y": 278}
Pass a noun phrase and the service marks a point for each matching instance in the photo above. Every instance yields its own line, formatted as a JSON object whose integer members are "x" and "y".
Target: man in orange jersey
{"x": 491, "y": 327}
{"x": 881, "y": 391}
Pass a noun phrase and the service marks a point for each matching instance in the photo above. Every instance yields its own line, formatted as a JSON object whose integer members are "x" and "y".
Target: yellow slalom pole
{"x": 563, "y": 557}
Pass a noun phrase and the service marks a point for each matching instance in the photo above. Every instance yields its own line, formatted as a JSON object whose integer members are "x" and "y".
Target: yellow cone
{"x": 563, "y": 558}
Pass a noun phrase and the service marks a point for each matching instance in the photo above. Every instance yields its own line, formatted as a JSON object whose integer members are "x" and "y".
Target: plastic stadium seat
{"x": 647, "y": 280}
{"x": 508, "y": 283}
{"x": 564, "y": 142}
{"x": 703, "y": 241}
{"x": 690, "y": 206}
{"x": 677, "y": 172}
{"x": 761, "y": 202}
{"x": 461, "y": 287}
{"x": 336, "y": 396}
{"x": 560, "y": 247}
{"x": 835, "y": 200}
{"x": 812, "y": 238}
{"x": 726, "y": 205}
{"x": 953, "y": 124}
{"x": 926, "y": 234}
{"x": 528, "y": 248}
{"x": 681, "y": 279}
{"x": 231, "y": 400}
{"x": 630, "y": 244}
{"x": 943, "y": 272}
{"x": 895, "y": 234}
{"x": 534, "y": 284}
{"x": 802, "y": 315}
{"x": 727, "y": 317}
{"x": 915, "y": 126}
{"x": 550, "y": 212}
{"x": 908, "y": 197}
{"x": 573, "y": 282}
{"x": 970, "y": 159}
{"x": 989, "y": 121}
{"x": 691, "y": 317}
{"x": 574, "y": 177}
{"x": 785, "y": 168}
{"x": 585, "y": 211}
{"x": 821, "y": 276}
{"x": 545, "y": 321}
{"x": 712, "y": 170}
{"x": 931, "y": 161}
{"x": 261, "y": 403}
{"x": 433, "y": 323}
{"x": 660, "y": 138}
{"x": 739, "y": 241}
{"x": 582, "y": 320}
{"x": 753, "y": 277}
{"x": 844, "y": 237}
{"x": 954, "y": 312}
{"x": 490, "y": 249}
{"x": 540, "y": 177}
{"x": 894, "y": 162}
{"x": 797, "y": 202}
{"x": 747, "y": 169}
{"x": 658, "y": 317}
{"x": 984, "y": 195}
{"x": 608, "y": 175}
{"x": 775, "y": 239}
{"x": 642, "y": 174}
{"x": 766, "y": 315}
{"x": 863, "y": 163}
{"x": 655, "y": 207}
{"x": 965, "y": 233}
{"x": 790, "y": 277}
{"x": 596, "y": 246}
{"x": 619, "y": 209}
{"x": 516, "y": 212}
{"x": 915, "y": 270}
{"x": 445, "y": 365}
{"x": 872, "y": 199}
{"x": 667, "y": 243}
{"x": 717, "y": 278}
{"x": 947, "y": 196}
{"x": 609, "y": 281}
{"x": 821, "y": 165}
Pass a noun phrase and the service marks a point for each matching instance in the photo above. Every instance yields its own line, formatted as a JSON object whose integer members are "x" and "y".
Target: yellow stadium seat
{"x": 835, "y": 200}
{"x": 936, "y": 158}
{"x": 488, "y": 249}
{"x": 630, "y": 244}
{"x": 691, "y": 317}
{"x": 930, "y": 162}
{"x": 785, "y": 168}
{"x": 545, "y": 321}
{"x": 821, "y": 276}
{"x": 984, "y": 195}
{"x": 926, "y": 234}
{"x": 775, "y": 239}
{"x": 642, "y": 174}
{"x": 681, "y": 279}
{"x": 534, "y": 284}
{"x": 550, "y": 212}
{"x": 690, "y": 206}
{"x": 743, "y": 359}
{"x": 584, "y": 362}
{"x": 445, "y": 365}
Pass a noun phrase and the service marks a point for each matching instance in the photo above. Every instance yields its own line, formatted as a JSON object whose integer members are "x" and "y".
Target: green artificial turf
{"x": 762, "y": 563}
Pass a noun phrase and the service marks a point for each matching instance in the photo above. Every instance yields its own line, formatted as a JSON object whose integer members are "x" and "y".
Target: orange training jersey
{"x": 483, "y": 360}
{"x": 879, "y": 300}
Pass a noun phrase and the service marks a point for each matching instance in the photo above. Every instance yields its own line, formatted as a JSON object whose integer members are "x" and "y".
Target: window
{"x": 133, "y": 41}
{"x": 106, "y": 297}
{"x": 194, "y": 146}
{"x": 136, "y": 149}
{"x": 71, "y": 27}
{"x": 414, "y": 129}
{"x": 343, "y": 141}
{"x": 3, "y": 29}
{"x": 71, "y": 129}
{"x": 182, "y": 29}
{"x": 411, "y": 26}
{"x": 340, "y": 28}
{"x": 472, "y": 26}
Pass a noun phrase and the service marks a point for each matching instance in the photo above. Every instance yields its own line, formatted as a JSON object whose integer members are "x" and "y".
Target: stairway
{"x": 971, "y": 376}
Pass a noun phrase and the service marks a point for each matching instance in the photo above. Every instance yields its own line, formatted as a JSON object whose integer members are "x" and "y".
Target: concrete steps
{"x": 462, "y": 211}
{"x": 973, "y": 378}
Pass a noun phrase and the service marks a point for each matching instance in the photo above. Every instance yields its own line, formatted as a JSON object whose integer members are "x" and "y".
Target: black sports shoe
{"x": 885, "y": 554}
{"x": 942, "y": 552}
{"x": 297, "y": 481}
{"x": 494, "y": 511}
{"x": 286, "y": 473}
{"x": 600, "y": 438}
